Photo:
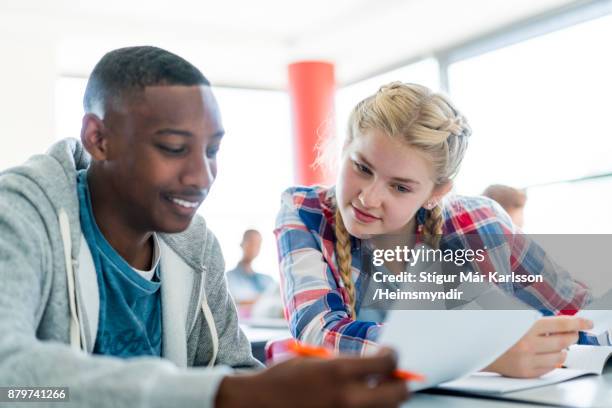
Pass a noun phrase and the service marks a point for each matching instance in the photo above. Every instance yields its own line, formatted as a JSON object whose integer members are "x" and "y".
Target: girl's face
{"x": 382, "y": 184}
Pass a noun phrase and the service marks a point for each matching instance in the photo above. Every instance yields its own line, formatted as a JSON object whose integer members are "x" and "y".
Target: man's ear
{"x": 93, "y": 137}
{"x": 440, "y": 191}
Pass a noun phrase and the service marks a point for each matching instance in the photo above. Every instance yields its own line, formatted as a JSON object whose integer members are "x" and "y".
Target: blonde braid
{"x": 343, "y": 257}
{"x": 432, "y": 227}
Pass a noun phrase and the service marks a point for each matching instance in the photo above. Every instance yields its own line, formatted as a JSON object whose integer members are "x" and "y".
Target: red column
{"x": 311, "y": 89}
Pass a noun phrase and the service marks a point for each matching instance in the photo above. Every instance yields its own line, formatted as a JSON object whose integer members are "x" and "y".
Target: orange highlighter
{"x": 305, "y": 350}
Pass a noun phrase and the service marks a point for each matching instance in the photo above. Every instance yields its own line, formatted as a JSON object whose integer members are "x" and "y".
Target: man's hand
{"x": 542, "y": 349}
{"x": 311, "y": 382}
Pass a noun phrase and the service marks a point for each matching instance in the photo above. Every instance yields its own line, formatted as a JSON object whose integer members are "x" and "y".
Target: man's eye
{"x": 171, "y": 149}
{"x": 363, "y": 169}
{"x": 212, "y": 152}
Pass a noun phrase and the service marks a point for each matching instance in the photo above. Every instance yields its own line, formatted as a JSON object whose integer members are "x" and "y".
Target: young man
{"x": 114, "y": 288}
{"x": 244, "y": 283}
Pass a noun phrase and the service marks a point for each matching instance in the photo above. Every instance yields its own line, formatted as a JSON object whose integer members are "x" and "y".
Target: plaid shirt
{"x": 315, "y": 298}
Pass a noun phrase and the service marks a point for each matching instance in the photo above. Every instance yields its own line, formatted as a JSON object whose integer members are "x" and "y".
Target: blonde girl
{"x": 403, "y": 147}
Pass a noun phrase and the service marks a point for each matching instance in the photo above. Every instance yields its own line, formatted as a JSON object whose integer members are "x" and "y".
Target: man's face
{"x": 251, "y": 246}
{"x": 162, "y": 148}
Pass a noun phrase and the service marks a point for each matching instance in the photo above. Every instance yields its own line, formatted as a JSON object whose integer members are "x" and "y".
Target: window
{"x": 538, "y": 109}
{"x": 69, "y": 106}
{"x": 254, "y": 167}
{"x": 570, "y": 208}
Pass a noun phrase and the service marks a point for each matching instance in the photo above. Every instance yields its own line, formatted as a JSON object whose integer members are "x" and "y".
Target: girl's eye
{"x": 401, "y": 189}
{"x": 362, "y": 168}
{"x": 172, "y": 150}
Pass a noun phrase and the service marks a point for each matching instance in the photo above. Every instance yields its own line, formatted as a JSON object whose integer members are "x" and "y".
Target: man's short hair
{"x": 508, "y": 197}
{"x": 127, "y": 71}
{"x": 249, "y": 233}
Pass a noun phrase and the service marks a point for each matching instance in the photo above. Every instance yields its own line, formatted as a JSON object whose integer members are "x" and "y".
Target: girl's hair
{"x": 423, "y": 119}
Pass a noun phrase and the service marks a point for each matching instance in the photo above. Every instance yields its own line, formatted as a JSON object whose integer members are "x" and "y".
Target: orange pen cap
{"x": 306, "y": 350}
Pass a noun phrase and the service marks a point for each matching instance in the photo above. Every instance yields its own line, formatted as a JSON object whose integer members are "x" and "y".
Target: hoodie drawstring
{"x": 213, "y": 330}
{"x": 75, "y": 332}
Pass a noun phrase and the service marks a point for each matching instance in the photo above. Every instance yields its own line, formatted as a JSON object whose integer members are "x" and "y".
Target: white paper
{"x": 447, "y": 344}
{"x": 588, "y": 358}
{"x": 493, "y": 383}
{"x": 581, "y": 360}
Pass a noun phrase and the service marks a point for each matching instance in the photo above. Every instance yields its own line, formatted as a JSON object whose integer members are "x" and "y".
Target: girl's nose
{"x": 370, "y": 197}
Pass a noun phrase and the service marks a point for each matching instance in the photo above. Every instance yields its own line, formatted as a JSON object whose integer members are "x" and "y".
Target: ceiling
{"x": 246, "y": 43}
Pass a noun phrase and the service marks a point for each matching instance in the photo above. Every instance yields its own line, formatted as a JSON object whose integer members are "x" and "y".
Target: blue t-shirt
{"x": 245, "y": 286}
{"x": 130, "y": 321}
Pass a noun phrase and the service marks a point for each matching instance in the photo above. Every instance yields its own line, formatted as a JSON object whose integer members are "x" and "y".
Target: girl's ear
{"x": 440, "y": 191}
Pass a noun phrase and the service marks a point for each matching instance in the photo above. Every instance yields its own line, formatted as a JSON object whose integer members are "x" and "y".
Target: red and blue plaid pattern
{"x": 315, "y": 298}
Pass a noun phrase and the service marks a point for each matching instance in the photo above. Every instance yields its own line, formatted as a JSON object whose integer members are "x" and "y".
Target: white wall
{"x": 27, "y": 86}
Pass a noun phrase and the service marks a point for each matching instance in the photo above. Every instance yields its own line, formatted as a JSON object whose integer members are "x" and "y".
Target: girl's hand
{"x": 542, "y": 349}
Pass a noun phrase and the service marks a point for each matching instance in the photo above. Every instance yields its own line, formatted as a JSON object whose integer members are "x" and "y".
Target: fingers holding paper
{"x": 542, "y": 348}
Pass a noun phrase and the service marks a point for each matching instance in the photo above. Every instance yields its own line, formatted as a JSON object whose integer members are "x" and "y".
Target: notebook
{"x": 581, "y": 361}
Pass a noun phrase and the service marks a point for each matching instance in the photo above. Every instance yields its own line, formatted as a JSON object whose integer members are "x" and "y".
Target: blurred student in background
{"x": 511, "y": 199}
{"x": 245, "y": 284}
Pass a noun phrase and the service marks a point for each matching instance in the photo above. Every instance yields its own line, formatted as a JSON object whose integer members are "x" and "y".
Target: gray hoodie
{"x": 49, "y": 301}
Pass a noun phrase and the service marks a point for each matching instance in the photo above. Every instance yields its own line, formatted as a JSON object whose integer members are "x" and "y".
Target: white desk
{"x": 260, "y": 334}
{"x": 263, "y": 334}
{"x": 589, "y": 391}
